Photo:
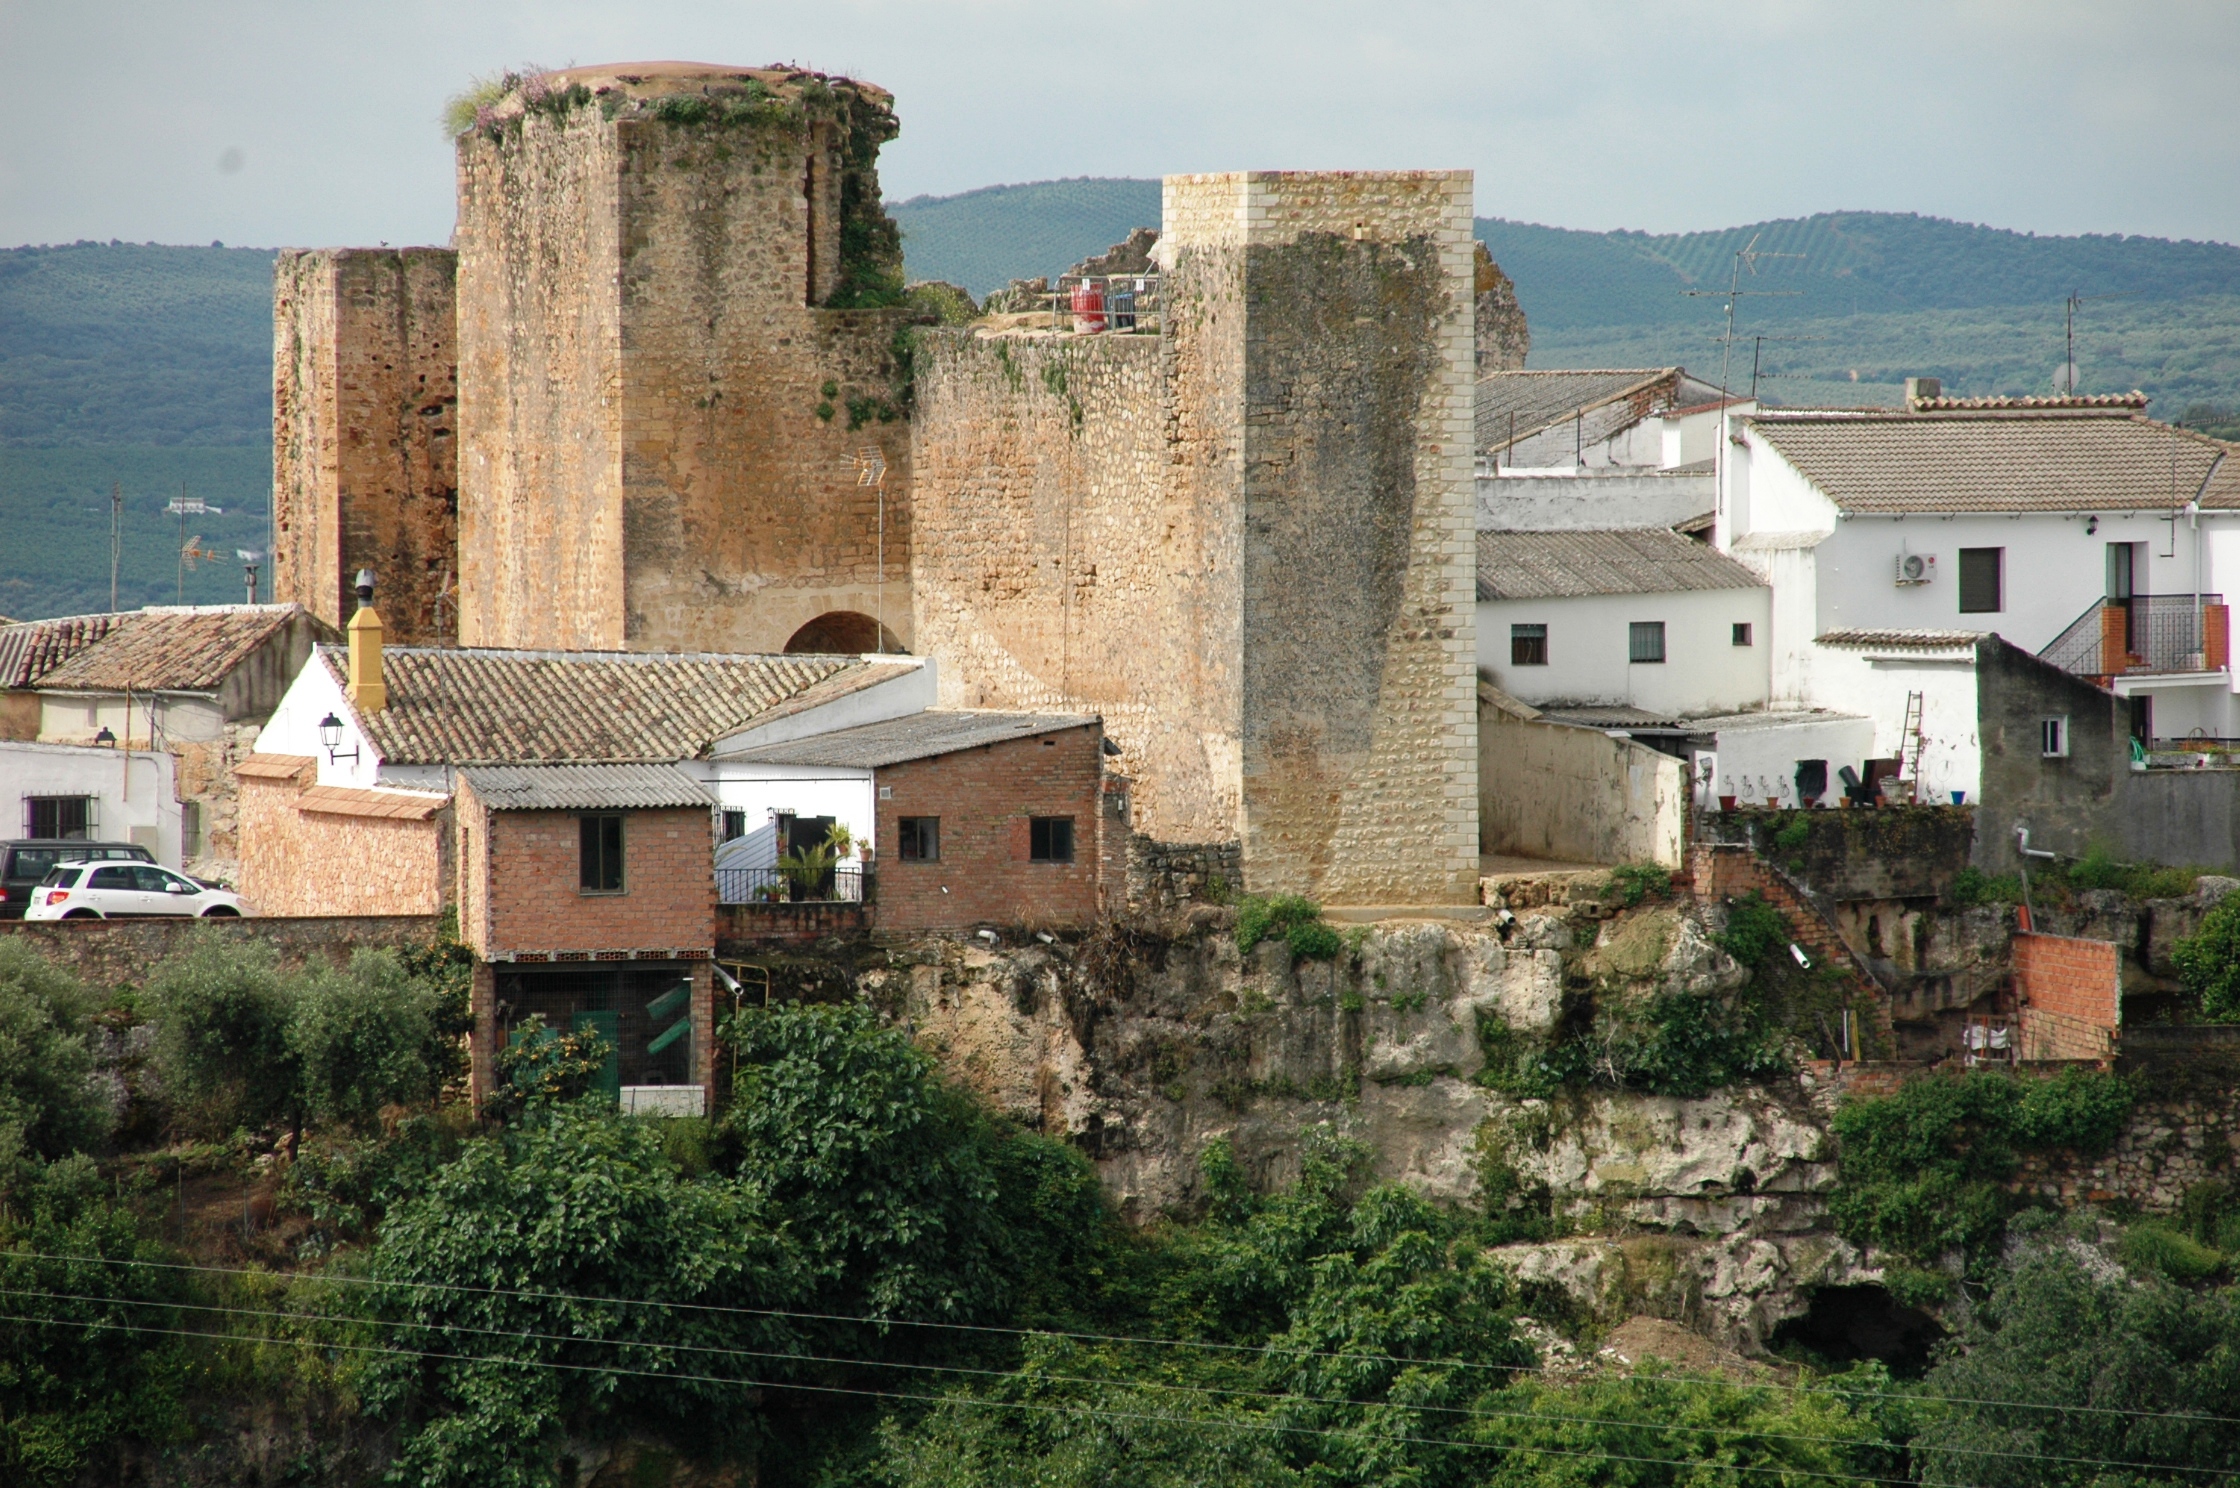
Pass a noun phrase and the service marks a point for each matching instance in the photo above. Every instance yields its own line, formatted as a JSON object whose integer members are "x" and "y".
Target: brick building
{"x": 588, "y": 893}
{"x": 984, "y": 818}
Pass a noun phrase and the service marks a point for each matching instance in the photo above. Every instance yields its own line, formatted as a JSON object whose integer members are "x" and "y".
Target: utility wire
{"x": 978, "y": 1402}
{"x": 1118, "y": 1338}
{"x": 1272, "y": 1396}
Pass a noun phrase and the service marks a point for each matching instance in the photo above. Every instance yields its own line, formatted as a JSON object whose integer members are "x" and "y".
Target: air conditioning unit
{"x": 1916, "y": 568}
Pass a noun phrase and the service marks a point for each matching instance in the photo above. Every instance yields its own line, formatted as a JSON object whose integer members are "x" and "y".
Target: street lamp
{"x": 106, "y": 739}
{"x": 330, "y": 735}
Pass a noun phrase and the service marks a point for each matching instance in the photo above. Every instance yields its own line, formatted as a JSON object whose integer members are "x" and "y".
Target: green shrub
{"x": 48, "y": 1106}
{"x": 2160, "y": 1247}
{"x": 2208, "y": 961}
{"x": 221, "y": 1051}
{"x": 1634, "y": 882}
{"x": 1972, "y": 886}
{"x": 366, "y": 1039}
{"x": 1295, "y": 920}
{"x": 1794, "y": 835}
{"x": 1756, "y": 932}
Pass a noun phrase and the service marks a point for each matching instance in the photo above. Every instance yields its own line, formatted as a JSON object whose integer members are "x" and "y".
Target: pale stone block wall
{"x": 297, "y": 862}
{"x": 364, "y": 453}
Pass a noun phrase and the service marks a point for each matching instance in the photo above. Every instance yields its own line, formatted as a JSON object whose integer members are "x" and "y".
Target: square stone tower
{"x": 678, "y": 392}
{"x": 1245, "y": 540}
{"x": 364, "y": 421}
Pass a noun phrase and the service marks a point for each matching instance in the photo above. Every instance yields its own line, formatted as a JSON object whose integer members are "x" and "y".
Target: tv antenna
{"x": 1745, "y": 257}
{"x": 184, "y": 506}
{"x": 2069, "y": 329}
{"x": 249, "y": 558}
{"x": 116, "y": 538}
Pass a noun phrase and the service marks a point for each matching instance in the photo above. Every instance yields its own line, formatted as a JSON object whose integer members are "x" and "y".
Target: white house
{"x": 95, "y": 792}
{"x": 1641, "y": 619}
{"x": 2074, "y": 528}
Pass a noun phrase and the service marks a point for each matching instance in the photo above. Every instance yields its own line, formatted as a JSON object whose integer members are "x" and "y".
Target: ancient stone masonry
{"x": 364, "y": 417}
{"x": 1246, "y": 542}
{"x": 668, "y": 405}
{"x": 1503, "y": 338}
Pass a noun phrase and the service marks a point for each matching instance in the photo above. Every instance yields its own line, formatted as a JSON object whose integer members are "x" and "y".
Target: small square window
{"x": 601, "y": 864}
{"x": 1645, "y": 641}
{"x": 1982, "y": 580}
{"x": 918, "y": 839}
{"x": 1742, "y": 632}
{"x": 734, "y": 825}
{"x": 2053, "y": 737}
{"x": 1528, "y": 645}
{"x": 1050, "y": 839}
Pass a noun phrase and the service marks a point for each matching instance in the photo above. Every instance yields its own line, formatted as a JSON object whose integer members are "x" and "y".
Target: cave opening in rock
{"x": 1846, "y": 1323}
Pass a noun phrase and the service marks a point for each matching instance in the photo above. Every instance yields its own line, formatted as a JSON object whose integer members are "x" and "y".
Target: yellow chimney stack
{"x": 368, "y": 693}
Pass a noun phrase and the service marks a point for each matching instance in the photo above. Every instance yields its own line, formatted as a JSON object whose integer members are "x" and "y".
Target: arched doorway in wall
{"x": 843, "y": 633}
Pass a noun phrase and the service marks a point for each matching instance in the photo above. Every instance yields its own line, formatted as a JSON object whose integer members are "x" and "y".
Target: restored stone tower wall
{"x": 364, "y": 466}
{"x": 1246, "y": 542}
{"x": 657, "y": 388}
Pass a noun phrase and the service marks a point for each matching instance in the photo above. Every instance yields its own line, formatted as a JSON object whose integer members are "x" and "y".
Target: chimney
{"x": 368, "y": 693}
{"x": 1919, "y": 389}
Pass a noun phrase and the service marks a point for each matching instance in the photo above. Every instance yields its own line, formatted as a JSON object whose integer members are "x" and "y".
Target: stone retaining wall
{"x": 109, "y": 953}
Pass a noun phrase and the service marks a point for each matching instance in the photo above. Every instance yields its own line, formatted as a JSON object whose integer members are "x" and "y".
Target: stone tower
{"x": 678, "y": 389}
{"x": 364, "y": 406}
{"x": 1245, "y": 540}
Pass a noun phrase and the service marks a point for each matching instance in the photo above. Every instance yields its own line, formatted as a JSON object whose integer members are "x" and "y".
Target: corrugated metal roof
{"x": 918, "y": 736}
{"x": 1527, "y": 402}
{"x": 584, "y": 787}
{"x": 2019, "y": 460}
{"x": 190, "y": 648}
{"x": 1902, "y": 640}
{"x": 1610, "y": 718}
{"x": 1635, "y": 560}
{"x": 30, "y": 649}
{"x": 462, "y": 706}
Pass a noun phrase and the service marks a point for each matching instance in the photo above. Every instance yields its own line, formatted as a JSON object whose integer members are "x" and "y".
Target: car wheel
{"x": 81, "y": 914}
{"x": 221, "y": 911}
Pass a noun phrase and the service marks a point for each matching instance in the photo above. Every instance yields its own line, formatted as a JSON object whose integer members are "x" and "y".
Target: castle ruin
{"x": 692, "y": 415}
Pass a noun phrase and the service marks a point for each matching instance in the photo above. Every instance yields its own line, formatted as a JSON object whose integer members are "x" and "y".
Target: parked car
{"x": 102, "y": 890}
{"x": 25, "y": 861}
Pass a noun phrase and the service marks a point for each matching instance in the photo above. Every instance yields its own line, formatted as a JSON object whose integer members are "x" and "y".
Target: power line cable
{"x": 1272, "y": 1396}
{"x": 978, "y": 1402}
{"x": 1118, "y": 1338}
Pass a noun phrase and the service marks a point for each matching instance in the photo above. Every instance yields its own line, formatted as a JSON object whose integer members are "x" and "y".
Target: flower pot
{"x": 1726, "y": 803}
{"x": 1959, "y": 798}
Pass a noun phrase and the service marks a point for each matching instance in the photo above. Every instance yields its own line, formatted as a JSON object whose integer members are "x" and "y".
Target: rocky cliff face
{"x": 1147, "y": 1047}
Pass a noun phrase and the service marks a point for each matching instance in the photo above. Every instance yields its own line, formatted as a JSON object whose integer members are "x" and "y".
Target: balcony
{"x": 2144, "y": 635}
{"x": 845, "y": 883}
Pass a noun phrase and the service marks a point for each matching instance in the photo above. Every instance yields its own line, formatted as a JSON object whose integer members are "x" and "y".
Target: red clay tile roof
{"x": 185, "y": 649}
{"x": 274, "y": 766}
{"x": 32, "y": 648}
{"x": 489, "y": 707}
{"x": 343, "y": 800}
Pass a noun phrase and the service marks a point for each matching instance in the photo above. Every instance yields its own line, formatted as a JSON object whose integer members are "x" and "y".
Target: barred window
{"x": 1528, "y": 645}
{"x": 1645, "y": 641}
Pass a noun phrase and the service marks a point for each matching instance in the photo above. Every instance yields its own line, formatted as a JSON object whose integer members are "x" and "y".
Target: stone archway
{"x": 843, "y": 633}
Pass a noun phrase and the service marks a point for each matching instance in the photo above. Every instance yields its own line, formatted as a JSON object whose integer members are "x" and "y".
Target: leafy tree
{"x": 48, "y": 1105}
{"x": 2208, "y": 961}
{"x": 363, "y": 1040}
{"x": 77, "y": 1371}
{"x": 221, "y": 1051}
{"x": 2115, "y": 1369}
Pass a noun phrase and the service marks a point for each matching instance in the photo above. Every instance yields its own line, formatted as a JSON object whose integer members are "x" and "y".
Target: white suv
{"x": 104, "y": 890}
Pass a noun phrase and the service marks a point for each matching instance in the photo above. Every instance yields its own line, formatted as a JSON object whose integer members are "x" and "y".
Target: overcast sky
{"x": 314, "y": 122}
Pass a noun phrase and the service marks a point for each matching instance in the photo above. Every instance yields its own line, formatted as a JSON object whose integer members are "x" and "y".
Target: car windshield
{"x": 60, "y": 878}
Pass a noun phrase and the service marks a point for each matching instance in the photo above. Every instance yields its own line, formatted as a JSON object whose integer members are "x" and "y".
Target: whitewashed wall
{"x": 135, "y": 793}
{"x": 1703, "y": 671}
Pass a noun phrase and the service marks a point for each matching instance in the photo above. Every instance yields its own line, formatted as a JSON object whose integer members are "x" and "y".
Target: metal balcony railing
{"x": 845, "y": 884}
{"x": 2143, "y": 634}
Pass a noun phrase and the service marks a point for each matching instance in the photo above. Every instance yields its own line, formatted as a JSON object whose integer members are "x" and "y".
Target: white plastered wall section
{"x": 294, "y": 729}
{"x": 1589, "y": 646}
{"x": 135, "y": 796}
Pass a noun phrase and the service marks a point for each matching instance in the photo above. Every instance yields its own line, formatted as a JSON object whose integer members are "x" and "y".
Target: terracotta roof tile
{"x": 2054, "y": 461}
{"x": 1637, "y": 560}
{"x": 186, "y": 649}
{"x": 1902, "y": 640}
{"x": 275, "y": 766}
{"x": 471, "y": 706}
{"x": 935, "y": 731}
{"x": 30, "y": 649}
{"x": 343, "y": 800}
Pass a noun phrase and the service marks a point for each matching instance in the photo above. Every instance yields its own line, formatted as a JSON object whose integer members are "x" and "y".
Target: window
{"x": 734, "y": 825}
{"x": 918, "y": 838}
{"x": 2053, "y": 737}
{"x": 190, "y": 829}
{"x": 1982, "y": 580}
{"x": 1050, "y": 839}
{"x": 58, "y": 816}
{"x": 61, "y": 878}
{"x": 602, "y": 854}
{"x": 1742, "y": 632}
{"x": 1645, "y": 641}
{"x": 1528, "y": 645}
{"x": 113, "y": 878}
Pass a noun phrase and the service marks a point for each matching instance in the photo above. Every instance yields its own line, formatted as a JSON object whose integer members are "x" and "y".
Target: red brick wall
{"x": 984, "y": 797}
{"x": 2071, "y": 995}
{"x": 521, "y": 891}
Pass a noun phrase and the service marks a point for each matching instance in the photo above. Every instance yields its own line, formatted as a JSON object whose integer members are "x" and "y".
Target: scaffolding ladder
{"x": 1911, "y": 742}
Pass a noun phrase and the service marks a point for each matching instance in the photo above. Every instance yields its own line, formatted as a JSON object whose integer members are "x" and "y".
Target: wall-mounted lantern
{"x": 105, "y": 738}
{"x": 330, "y": 735}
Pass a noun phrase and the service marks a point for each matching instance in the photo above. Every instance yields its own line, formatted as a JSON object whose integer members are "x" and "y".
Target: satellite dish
{"x": 2066, "y": 378}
